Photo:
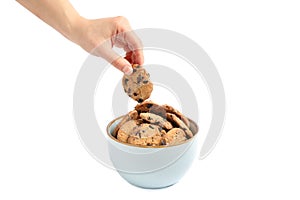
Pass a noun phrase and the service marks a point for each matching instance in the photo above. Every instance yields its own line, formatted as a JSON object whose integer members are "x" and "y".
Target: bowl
{"x": 151, "y": 167}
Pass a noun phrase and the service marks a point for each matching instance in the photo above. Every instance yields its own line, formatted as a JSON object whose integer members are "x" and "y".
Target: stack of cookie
{"x": 150, "y": 124}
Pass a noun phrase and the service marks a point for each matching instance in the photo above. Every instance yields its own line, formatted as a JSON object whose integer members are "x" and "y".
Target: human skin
{"x": 96, "y": 36}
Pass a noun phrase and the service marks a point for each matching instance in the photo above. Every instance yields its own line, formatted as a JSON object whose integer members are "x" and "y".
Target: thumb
{"x": 117, "y": 61}
{"x": 123, "y": 65}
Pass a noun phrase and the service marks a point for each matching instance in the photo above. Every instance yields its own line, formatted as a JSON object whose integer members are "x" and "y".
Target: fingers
{"x": 134, "y": 53}
{"x": 133, "y": 56}
{"x": 117, "y": 32}
{"x": 123, "y": 65}
{"x": 118, "y": 62}
{"x": 129, "y": 41}
{"x": 129, "y": 57}
{"x": 136, "y": 46}
{"x": 138, "y": 57}
{"x": 105, "y": 51}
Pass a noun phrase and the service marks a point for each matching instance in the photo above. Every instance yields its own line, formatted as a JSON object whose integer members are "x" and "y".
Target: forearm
{"x": 95, "y": 36}
{"x": 59, "y": 14}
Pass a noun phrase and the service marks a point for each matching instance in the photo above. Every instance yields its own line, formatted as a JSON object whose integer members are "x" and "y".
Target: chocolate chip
{"x": 149, "y": 105}
{"x": 129, "y": 90}
{"x": 149, "y": 118}
{"x": 134, "y": 70}
{"x": 151, "y": 127}
{"x": 138, "y": 132}
{"x": 163, "y": 142}
{"x": 135, "y": 94}
{"x": 126, "y": 81}
{"x": 145, "y": 82}
{"x": 139, "y": 78}
{"x": 140, "y": 100}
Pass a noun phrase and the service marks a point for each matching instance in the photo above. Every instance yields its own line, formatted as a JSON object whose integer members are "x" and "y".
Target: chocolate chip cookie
{"x": 150, "y": 107}
{"x": 145, "y": 135}
{"x": 132, "y": 115}
{"x": 126, "y": 130}
{"x": 170, "y": 109}
{"x": 156, "y": 119}
{"x": 138, "y": 85}
{"x": 175, "y": 120}
{"x": 175, "y": 136}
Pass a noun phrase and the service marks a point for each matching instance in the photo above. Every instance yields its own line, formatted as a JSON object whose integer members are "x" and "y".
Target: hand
{"x": 100, "y": 35}
{"x": 95, "y": 36}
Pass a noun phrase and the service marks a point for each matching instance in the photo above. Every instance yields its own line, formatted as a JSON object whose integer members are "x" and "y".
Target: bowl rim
{"x": 151, "y": 147}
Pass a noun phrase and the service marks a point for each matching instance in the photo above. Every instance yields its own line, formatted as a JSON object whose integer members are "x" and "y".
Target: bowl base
{"x": 151, "y": 188}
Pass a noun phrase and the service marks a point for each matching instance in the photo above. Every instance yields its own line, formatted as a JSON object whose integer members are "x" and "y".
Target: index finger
{"x": 138, "y": 57}
{"x": 135, "y": 45}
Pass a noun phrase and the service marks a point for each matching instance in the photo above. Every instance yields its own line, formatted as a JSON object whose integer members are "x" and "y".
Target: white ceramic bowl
{"x": 151, "y": 167}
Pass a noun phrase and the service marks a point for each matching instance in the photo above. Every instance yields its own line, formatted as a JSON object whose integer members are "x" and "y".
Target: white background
{"x": 255, "y": 46}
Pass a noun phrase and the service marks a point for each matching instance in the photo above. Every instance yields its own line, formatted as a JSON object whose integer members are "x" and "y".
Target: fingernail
{"x": 127, "y": 70}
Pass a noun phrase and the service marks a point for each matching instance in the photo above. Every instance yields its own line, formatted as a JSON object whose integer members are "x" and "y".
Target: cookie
{"x": 193, "y": 127}
{"x": 150, "y": 107}
{"x": 175, "y": 120}
{"x": 126, "y": 130}
{"x": 138, "y": 85}
{"x": 132, "y": 115}
{"x": 175, "y": 136}
{"x": 156, "y": 119}
{"x": 145, "y": 135}
{"x": 170, "y": 109}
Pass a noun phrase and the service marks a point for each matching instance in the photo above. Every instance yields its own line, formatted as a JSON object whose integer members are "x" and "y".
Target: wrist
{"x": 73, "y": 27}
